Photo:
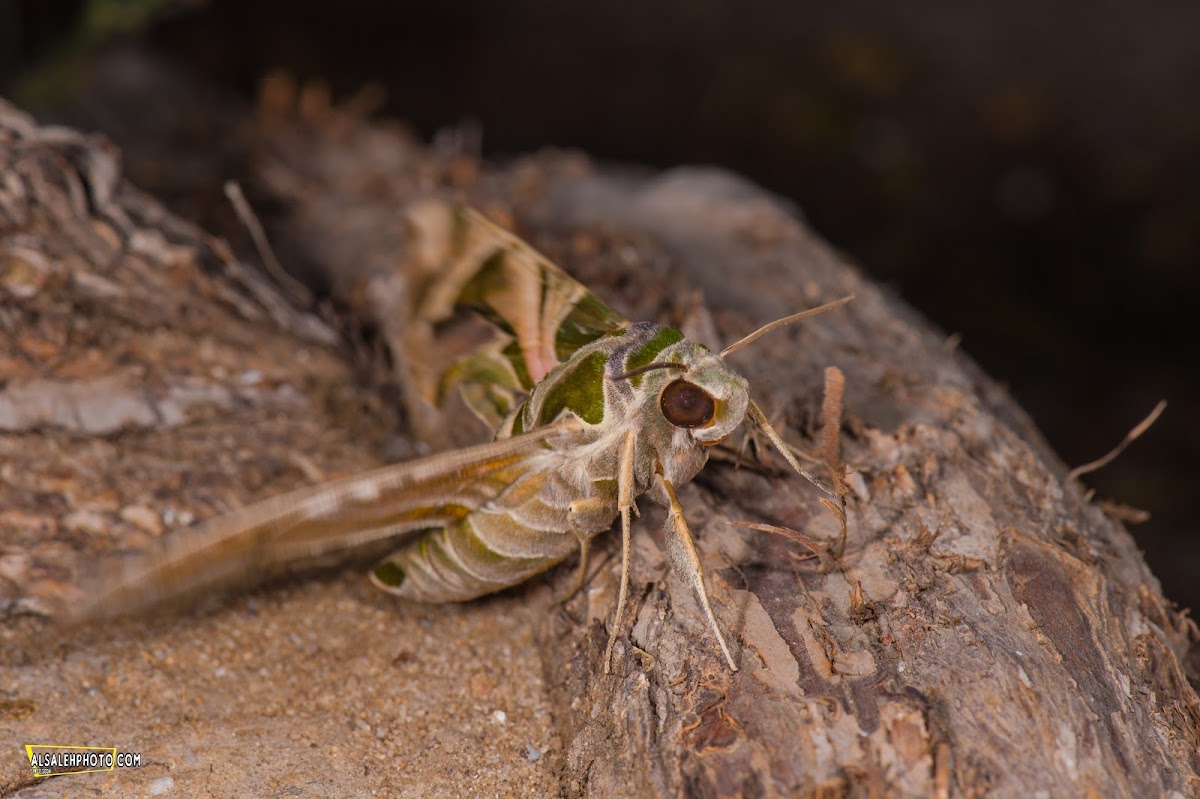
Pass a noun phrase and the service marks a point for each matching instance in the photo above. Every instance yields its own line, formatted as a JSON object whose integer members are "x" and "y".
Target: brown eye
{"x": 687, "y": 405}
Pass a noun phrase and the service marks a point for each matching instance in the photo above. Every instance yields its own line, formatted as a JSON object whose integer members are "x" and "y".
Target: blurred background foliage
{"x": 1027, "y": 174}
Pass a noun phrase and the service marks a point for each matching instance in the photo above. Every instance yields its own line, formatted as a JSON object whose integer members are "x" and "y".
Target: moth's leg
{"x": 581, "y": 572}
{"x": 580, "y": 577}
{"x": 686, "y": 560}
{"x": 624, "y": 501}
{"x": 589, "y": 508}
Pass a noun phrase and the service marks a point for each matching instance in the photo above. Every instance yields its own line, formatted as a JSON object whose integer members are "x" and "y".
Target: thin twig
{"x": 831, "y": 409}
{"x": 1130, "y": 437}
{"x": 1124, "y": 513}
{"x": 795, "y": 535}
{"x": 297, "y": 291}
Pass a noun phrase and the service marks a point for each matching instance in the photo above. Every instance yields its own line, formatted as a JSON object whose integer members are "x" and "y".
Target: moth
{"x": 589, "y": 412}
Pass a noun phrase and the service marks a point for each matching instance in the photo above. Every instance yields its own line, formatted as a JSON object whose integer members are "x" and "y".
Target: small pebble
{"x": 161, "y": 785}
{"x": 86, "y": 521}
{"x": 143, "y": 518}
{"x": 14, "y": 566}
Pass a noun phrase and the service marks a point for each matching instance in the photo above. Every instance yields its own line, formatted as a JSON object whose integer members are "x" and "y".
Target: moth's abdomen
{"x": 536, "y": 522}
{"x": 481, "y": 554}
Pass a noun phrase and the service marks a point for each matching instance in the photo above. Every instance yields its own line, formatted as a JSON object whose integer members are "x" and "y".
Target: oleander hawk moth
{"x": 589, "y": 412}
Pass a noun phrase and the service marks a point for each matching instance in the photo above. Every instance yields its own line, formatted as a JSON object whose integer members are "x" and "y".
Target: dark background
{"x": 1027, "y": 174}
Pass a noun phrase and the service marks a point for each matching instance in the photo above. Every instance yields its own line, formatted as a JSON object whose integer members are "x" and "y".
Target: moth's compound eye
{"x": 687, "y": 405}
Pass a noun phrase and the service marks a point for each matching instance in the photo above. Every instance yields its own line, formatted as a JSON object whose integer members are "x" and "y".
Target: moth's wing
{"x": 309, "y": 523}
{"x": 548, "y": 313}
{"x": 530, "y": 315}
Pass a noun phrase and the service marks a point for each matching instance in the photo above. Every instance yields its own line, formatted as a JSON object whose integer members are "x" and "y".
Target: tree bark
{"x": 987, "y": 630}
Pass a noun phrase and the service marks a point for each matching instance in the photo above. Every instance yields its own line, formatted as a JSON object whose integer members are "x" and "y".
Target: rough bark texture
{"x": 987, "y": 630}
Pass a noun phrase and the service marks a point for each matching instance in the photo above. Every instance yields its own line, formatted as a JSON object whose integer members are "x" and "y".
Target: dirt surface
{"x": 326, "y": 688}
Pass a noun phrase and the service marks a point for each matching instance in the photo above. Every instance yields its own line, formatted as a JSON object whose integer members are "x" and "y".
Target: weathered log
{"x": 989, "y": 631}
{"x": 986, "y": 630}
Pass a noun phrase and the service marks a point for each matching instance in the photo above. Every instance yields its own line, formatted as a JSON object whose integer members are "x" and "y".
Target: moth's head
{"x": 708, "y": 399}
{"x": 697, "y": 393}
{"x": 709, "y": 390}
{"x": 692, "y": 388}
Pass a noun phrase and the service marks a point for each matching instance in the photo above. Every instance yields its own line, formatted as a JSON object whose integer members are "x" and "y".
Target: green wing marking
{"x": 579, "y": 388}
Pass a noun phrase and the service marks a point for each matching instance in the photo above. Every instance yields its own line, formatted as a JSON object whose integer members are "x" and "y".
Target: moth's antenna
{"x": 760, "y": 419}
{"x": 650, "y": 367}
{"x": 787, "y": 320}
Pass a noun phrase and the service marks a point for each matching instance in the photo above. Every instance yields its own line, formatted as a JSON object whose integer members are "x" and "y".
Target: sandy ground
{"x": 322, "y": 688}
